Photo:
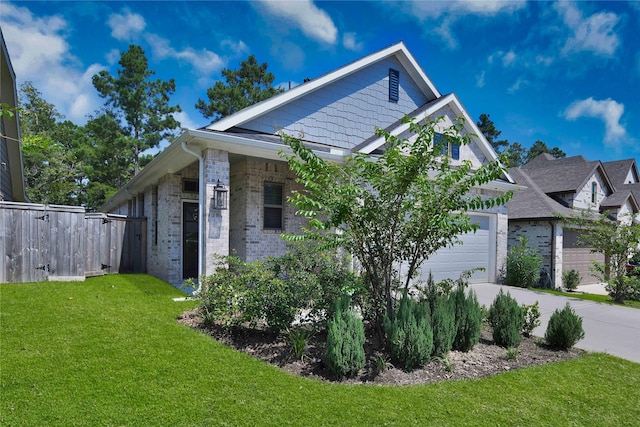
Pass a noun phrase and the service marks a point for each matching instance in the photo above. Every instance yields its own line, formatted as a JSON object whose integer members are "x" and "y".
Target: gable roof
{"x": 398, "y": 50}
{"x": 619, "y": 198}
{"x": 532, "y": 202}
{"x": 618, "y": 171}
{"x": 564, "y": 175}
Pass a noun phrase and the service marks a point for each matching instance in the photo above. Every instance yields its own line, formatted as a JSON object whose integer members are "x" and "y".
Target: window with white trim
{"x": 447, "y": 148}
{"x": 594, "y": 192}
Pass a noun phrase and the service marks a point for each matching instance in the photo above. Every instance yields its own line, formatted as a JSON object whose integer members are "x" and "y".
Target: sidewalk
{"x": 597, "y": 289}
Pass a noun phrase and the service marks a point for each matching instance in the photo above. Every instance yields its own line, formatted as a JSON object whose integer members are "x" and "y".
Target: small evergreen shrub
{"x": 570, "y": 279}
{"x": 564, "y": 329}
{"x": 531, "y": 318}
{"x": 443, "y": 323}
{"x": 468, "y": 319}
{"x": 506, "y": 319}
{"x": 409, "y": 334}
{"x": 523, "y": 266}
{"x": 345, "y": 340}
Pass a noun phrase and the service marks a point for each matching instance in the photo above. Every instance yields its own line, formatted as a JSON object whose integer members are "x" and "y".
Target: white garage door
{"x": 475, "y": 251}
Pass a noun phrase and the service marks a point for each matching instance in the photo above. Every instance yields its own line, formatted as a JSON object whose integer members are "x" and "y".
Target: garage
{"x": 477, "y": 250}
{"x": 579, "y": 258}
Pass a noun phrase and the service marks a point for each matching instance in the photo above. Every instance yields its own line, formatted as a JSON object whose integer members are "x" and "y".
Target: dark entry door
{"x": 189, "y": 240}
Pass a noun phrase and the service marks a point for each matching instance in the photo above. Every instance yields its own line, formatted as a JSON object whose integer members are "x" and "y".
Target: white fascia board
{"x": 403, "y": 127}
{"x": 452, "y": 101}
{"x": 174, "y": 158}
{"x": 398, "y": 49}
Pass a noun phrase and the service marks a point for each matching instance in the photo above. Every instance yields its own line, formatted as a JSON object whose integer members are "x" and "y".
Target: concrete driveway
{"x": 608, "y": 329}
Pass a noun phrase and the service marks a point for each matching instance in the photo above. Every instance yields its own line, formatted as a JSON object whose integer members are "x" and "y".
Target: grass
{"x": 589, "y": 297}
{"x": 110, "y": 352}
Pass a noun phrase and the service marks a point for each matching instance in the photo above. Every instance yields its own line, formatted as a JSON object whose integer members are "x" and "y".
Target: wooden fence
{"x": 49, "y": 242}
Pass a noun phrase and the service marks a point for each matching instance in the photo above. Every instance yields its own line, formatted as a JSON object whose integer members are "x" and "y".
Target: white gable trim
{"x": 399, "y": 50}
{"x": 452, "y": 101}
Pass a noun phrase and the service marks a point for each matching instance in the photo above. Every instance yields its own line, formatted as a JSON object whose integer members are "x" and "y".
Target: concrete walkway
{"x": 608, "y": 329}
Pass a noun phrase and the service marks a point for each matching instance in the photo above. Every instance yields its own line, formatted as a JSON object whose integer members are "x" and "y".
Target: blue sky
{"x": 566, "y": 73}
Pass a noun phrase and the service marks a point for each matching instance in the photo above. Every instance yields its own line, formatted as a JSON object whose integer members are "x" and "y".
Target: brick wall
{"x": 248, "y": 237}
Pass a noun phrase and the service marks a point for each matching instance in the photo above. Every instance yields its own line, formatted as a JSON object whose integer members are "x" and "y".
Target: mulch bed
{"x": 484, "y": 360}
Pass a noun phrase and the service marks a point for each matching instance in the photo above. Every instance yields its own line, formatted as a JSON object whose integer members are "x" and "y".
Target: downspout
{"x": 201, "y": 210}
{"x": 552, "y": 273}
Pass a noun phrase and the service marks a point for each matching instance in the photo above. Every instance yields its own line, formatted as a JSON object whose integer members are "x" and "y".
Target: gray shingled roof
{"x": 617, "y": 171}
{"x": 532, "y": 202}
{"x": 617, "y": 199}
{"x": 562, "y": 175}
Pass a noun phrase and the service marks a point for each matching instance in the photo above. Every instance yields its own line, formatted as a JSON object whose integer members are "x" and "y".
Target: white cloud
{"x": 186, "y": 121}
{"x": 204, "y": 61}
{"x": 446, "y": 13}
{"x": 237, "y": 48}
{"x": 350, "y": 42}
{"x": 304, "y": 14}
{"x": 40, "y": 53}
{"x": 126, "y": 26}
{"x": 608, "y": 110}
{"x": 435, "y": 9}
{"x": 480, "y": 79}
{"x": 508, "y": 58}
{"x": 517, "y": 85}
{"x": 593, "y": 34}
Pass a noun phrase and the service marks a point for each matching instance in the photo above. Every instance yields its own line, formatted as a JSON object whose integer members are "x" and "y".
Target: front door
{"x": 189, "y": 240}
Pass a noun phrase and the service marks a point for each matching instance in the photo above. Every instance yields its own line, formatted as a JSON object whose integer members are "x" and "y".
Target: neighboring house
{"x": 11, "y": 168}
{"x": 224, "y": 188}
{"x": 566, "y": 187}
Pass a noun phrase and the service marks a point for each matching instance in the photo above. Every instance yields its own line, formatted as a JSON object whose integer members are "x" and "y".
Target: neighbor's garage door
{"x": 577, "y": 257}
{"x": 475, "y": 251}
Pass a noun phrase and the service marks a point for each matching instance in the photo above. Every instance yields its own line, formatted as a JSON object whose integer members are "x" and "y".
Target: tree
{"x": 618, "y": 241}
{"x": 142, "y": 103}
{"x": 540, "y": 147}
{"x": 516, "y": 154}
{"x": 394, "y": 211}
{"x": 53, "y": 168}
{"x": 488, "y": 129}
{"x": 249, "y": 84}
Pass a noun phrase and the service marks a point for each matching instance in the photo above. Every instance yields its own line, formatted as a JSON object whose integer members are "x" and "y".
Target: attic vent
{"x": 394, "y": 83}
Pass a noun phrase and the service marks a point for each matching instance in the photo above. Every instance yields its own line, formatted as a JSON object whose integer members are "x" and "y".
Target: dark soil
{"x": 484, "y": 360}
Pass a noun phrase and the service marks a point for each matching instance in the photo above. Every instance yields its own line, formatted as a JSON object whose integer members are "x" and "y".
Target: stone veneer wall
{"x": 540, "y": 237}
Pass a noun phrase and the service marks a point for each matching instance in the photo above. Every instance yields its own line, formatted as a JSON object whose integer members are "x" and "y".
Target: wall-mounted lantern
{"x": 220, "y": 193}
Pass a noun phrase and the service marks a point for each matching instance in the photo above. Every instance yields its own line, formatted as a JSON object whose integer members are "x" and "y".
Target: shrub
{"x": 409, "y": 334}
{"x": 298, "y": 338}
{"x": 241, "y": 292}
{"x": 570, "y": 279}
{"x": 468, "y": 319}
{"x": 531, "y": 318}
{"x": 523, "y": 265}
{"x": 564, "y": 329}
{"x": 443, "y": 323}
{"x": 345, "y": 340}
{"x": 506, "y": 319}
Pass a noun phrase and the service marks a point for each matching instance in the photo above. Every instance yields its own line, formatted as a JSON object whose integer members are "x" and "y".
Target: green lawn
{"x": 589, "y": 297}
{"x": 110, "y": 352}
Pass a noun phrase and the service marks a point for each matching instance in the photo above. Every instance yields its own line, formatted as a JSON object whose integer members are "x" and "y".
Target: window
{"x": 394, "y": 85}
{"x": 273, "y": 205}
{"x": 190, "y": 186}
{"x": 447, "y": 149}
{"x": 594, "y": 192}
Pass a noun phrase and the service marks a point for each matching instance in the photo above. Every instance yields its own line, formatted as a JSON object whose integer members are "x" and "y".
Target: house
{"x": 11, "y": 167}
{"x": 223, "y": 188}
{"x": 566, "y": 187}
